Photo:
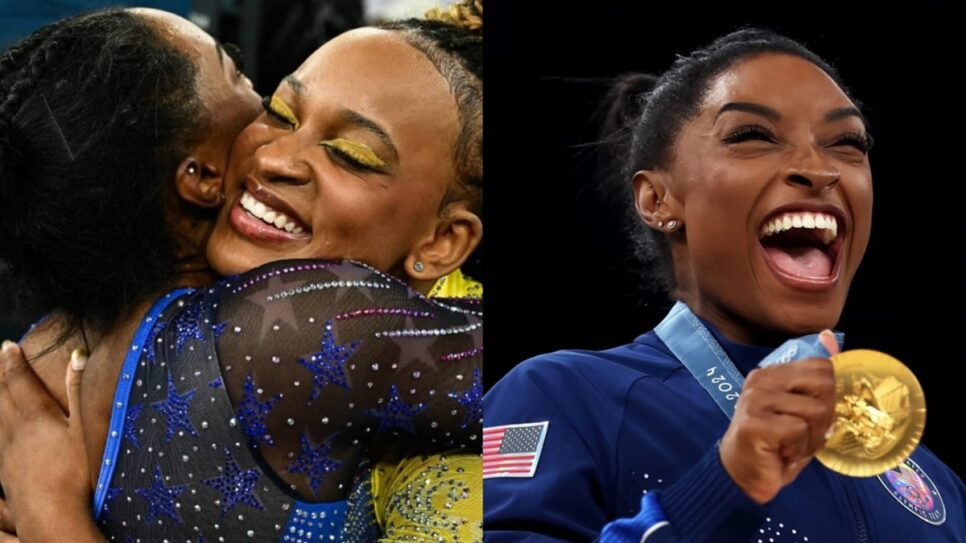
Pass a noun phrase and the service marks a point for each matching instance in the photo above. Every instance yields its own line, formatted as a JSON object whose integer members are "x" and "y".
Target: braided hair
{"x": 452, "y": 39}
{"x": 96, "y": 111}
{"x": 646, "y": 115}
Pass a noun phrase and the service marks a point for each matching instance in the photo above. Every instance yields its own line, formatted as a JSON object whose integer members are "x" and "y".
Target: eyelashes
{"x": 357, "y": 155}
{"x": 280, "y": 112}
{"x": 859, "y": 140}
{"x": 236, "y": 55}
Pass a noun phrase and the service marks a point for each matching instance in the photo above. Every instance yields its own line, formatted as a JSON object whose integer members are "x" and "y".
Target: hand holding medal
{"x": 880, "y": 410}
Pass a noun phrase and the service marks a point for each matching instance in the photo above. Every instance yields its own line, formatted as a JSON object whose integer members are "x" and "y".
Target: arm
{"x": 322, "y": 359}
{"x": 43, "y": 464}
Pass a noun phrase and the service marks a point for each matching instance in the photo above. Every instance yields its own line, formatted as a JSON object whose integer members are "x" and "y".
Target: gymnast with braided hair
{"x": 295, "y": 399}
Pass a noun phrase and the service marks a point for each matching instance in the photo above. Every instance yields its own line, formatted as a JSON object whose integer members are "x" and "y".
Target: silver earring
{"x": 418, "y": 266}
{"x": 660, "y": 224}
{"x": 192, "y": 169}
{"x": 671, "y": 225}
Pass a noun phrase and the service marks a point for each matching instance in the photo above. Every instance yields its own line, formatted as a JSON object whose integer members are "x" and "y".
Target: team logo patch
{"x": 513, "y": 450}
{"x": 911, "y": 487}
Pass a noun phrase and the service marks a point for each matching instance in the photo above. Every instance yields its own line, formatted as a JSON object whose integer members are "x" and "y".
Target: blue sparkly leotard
{"x": 250, "y": 410}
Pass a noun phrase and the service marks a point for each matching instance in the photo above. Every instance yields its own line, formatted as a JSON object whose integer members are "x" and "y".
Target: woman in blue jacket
{"x": 747, "y": 166}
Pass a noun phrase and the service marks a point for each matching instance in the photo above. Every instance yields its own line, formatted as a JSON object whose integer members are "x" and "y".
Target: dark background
{"x": 557, "y": 275}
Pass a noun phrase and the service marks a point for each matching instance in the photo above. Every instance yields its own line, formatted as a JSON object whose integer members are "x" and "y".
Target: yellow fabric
{"x": 430, "y": 498}
{"x": 456, "y": 285}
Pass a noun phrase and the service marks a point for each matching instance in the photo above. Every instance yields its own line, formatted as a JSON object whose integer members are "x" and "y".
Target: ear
{"x": 199, "y": 183}
{"x": 457, "y": 234}
{"x": 654, "y": 202}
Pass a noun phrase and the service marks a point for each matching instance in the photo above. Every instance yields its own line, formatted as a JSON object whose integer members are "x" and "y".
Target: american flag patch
{"x": 513, "y": 450}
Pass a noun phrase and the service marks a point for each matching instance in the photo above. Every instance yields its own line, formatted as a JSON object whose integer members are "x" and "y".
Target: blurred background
{"x": 559, "y": 275}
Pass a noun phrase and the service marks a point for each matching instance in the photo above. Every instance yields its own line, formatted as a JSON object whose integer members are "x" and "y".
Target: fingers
{"x": 812, "y": 377}
{"x": 75, "y": 370}
{"x": 829, "y": 342}
{"x": 23, "y": 386}
{"x": 814, "y": 416}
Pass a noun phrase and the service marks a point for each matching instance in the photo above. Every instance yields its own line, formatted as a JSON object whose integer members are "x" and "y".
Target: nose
{"x": 280, "y": 161}
{"x": 809, "y": 169}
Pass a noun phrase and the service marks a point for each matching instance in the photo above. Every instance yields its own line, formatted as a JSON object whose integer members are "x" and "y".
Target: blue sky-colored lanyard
{"x": 694, "y": 345}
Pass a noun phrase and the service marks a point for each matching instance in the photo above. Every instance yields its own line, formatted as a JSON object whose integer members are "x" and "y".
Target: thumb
{"x": 829, "y": 342}
{"x": 75, "y": 371}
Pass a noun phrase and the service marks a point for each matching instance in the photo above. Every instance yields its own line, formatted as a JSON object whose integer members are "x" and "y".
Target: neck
{"x": 731, "y": 326}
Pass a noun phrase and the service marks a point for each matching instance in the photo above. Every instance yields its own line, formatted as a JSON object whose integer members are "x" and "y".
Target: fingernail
{"x": 830, "y": 432}
{"x": 8, "y": 346}
{"x": 78, "y": 359}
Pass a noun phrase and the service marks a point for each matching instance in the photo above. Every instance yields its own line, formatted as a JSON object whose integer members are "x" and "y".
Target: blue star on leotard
{"x": 175, "y": 410}
{"x": 236, "y": 486}
{"x": 161, "y": 498}
{"x": 130, "y": 424}
{"x": 471, "y": 400}
{"x": 112, "y": 493}
{"x": 252, "y": 413}
{"x": 150, "y": 347}
{"x": 190, "y": 325}
{"x": 395, "y": 413}
{"x": 328, "y": 365}
{"x": 314, "y": 461}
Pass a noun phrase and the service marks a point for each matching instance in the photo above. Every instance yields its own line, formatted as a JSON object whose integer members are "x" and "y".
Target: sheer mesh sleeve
{"x": 323, "y": 360}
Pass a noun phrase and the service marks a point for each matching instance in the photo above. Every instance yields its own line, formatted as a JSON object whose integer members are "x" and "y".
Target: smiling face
{"x": 772, "y": 182}
{"x": 351, "y": 159}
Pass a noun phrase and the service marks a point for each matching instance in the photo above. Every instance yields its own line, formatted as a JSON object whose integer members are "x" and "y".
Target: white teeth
{"x": 827, "y": 223}
{"x": 267, "y": 214}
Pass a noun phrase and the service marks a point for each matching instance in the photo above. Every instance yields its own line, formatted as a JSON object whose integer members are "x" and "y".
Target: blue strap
{"x": 115, "y": 433}
{"x": 692, "y": 343}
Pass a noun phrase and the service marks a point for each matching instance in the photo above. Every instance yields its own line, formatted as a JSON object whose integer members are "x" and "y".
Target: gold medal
{"x": 880, "y": 413}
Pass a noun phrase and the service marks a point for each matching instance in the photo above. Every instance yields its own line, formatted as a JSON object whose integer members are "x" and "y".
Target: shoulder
{"x": 611, "y": 369}
{"x": 580, "y": 385}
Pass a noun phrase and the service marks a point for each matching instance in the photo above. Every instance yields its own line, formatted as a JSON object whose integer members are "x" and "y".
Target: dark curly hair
{"x": 646, "y": 113}
{"x": 96, "y": 112}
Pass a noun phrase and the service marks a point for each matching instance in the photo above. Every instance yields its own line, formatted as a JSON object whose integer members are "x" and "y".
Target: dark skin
{"x": 232, "y": 104}
{"x": 381, "y": 204}
{"x": 720, "y": 192}
{"x": 389, "y": 219}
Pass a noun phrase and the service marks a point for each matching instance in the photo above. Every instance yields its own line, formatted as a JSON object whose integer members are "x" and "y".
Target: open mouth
{"x": 803, "y": 247}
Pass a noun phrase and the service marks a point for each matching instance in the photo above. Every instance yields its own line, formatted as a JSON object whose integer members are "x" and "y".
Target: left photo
{"x": 241, "y": 272}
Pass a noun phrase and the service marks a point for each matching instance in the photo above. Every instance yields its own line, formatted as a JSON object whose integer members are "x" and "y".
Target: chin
{"x": 807, "y": 318}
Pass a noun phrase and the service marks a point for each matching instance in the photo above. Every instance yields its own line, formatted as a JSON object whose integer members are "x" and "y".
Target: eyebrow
{"x": 221, "y": 53}
{"x": 750, "y": 107}
{"x": 294, "y": 82}
{"x": 352, "y": 117}
{"x": 369, "y": 125}
{"x": 765, "y": 111}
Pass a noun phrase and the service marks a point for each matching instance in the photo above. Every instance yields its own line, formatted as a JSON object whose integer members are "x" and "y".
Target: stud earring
{"x": 660, "y": 224}
{"x": 192, "y": 169}
{"x": 671, "y": 225}
{"x": 419, "y": 267}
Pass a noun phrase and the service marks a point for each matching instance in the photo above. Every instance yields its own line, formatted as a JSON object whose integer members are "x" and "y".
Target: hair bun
{"x": 467, "y": 15}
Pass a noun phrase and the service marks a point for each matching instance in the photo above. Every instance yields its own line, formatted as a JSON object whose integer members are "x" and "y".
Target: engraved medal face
{"x": 880, "y": 413}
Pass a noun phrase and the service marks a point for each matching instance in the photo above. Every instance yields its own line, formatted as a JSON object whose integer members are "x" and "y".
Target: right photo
{"x": 728, "y": 262}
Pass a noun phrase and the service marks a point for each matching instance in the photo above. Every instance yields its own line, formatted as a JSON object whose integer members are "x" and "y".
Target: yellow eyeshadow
{"x": 281, "y": 109}
{"x": 358, "y": 151}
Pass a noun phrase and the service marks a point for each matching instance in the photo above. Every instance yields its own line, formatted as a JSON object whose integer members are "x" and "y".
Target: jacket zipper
{"x": 862, "y": 531}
